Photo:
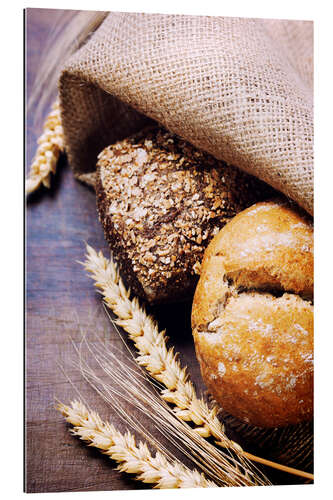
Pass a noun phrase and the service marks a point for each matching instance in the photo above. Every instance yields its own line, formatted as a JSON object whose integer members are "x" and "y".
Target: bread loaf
{"x": 160, "y": 202}
{"x": 252, "y": 316}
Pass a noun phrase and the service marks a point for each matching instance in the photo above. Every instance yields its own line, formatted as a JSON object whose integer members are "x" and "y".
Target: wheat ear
{"x": 51, "y": 145}
{"x": 154, "y": 355}
{"x": 131, "y": 458}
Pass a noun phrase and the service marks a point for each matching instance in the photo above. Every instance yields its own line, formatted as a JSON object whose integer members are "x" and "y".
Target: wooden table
{"x": 61, "y": 299}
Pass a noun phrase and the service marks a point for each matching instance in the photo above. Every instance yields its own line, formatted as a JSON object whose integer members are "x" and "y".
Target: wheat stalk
{"x": 161, "y": 362}
{"x": 128, "y": 385}
{"x": 154, "y": 355}
{"x": 51, "y": 145}
{"x": 131, "y": 458}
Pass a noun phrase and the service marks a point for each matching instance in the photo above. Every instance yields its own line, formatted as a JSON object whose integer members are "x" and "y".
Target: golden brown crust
{"x": 252, "y": 316}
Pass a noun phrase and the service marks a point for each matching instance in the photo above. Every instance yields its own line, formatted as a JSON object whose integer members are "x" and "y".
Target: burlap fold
{"x": 240, "y": 89}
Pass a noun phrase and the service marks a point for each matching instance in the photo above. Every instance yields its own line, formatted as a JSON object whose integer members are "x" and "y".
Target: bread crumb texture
{"x": 161, "y": 201}
{"x": 252, "y": 315}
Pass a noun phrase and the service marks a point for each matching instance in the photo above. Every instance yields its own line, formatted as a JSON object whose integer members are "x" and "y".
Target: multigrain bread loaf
{"x": 160, "y": 202}
{"x": 252, "y": 316}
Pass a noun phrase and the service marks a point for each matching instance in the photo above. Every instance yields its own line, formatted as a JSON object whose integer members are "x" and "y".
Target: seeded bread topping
{"x": 161, "y": 201}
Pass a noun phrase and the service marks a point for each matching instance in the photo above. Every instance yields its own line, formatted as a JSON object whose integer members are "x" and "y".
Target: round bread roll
{"x": 252, "y": 316}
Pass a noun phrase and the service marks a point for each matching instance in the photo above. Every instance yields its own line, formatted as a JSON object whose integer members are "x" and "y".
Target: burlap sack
{"x": 240, "y": 89}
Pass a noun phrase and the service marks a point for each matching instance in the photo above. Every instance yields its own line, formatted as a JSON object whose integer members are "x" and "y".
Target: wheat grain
{"x": 51, "y": 145}
{"x": 131, "y": 458}
{"x": 154, "y": 355}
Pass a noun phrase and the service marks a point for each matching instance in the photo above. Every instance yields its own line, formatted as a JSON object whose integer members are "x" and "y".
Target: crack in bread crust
{"x": 234, "y": 291}
{"x": 277, "y": 291}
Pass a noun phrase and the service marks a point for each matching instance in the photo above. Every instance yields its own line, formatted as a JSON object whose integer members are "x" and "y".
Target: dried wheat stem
{"x": 284, "y": 468}
{"x": 126, "y": 386}
{"x": 132, "y": 458}
{"x": 51, "y": 145}
{"x": 154, "y": 355}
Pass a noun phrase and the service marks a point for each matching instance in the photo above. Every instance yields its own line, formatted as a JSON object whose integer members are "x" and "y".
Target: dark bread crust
{"x": 114, "y": 239}
{"x": 160, "y": 202}
{"x": 181, "y": 285}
